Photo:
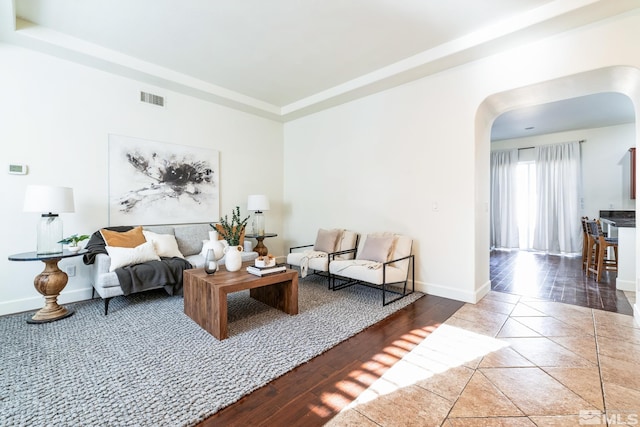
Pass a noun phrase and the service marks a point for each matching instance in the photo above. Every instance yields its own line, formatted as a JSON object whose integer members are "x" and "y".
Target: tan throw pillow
{"x": 347, "y": 241}
{"x": 125, "y": 239}
{"x": 221, "y": 237}
{"x": 121, "y": 257}
{"x": 376, "y": 248}
{"x": 165, "y": 245}
{"x": 326, "y": 240}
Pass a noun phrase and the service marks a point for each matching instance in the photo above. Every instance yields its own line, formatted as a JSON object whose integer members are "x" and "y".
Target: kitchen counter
{"x": 618, "y": 218}
{"x": 621, "y": 224}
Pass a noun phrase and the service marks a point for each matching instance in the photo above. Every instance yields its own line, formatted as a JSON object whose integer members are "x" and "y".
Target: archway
{"x": 622, "y": 79}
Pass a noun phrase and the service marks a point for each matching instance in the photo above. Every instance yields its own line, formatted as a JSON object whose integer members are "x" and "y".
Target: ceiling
{"x": 592, "y": 111}
{"x": 282, "y": 59}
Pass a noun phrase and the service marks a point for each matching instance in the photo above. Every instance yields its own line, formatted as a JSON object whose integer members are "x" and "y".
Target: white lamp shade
{"x": 47, "y": 198}
{"x": 257, "y": 202}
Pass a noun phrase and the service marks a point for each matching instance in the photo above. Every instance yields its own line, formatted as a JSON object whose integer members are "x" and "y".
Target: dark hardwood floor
{"x": 555, "y": 278}
{"x": 313, "y": 393}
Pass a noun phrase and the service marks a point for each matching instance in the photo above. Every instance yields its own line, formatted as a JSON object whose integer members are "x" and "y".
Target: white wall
{"x": 55, "y": 116}
{"x": 378, "y": 163}
{"x": 605, "y": 163}
{"x": 382, "y": 162}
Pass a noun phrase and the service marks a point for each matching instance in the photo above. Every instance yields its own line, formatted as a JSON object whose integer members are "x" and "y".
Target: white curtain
{"x": 504, "y": 219}
{"x": 558, "y": 228}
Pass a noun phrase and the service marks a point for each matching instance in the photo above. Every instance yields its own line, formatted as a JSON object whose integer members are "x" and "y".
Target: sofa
{"x": 190, "y": 239}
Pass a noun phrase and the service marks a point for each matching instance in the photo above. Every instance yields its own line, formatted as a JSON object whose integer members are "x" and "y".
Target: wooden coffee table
{"x": 205, "y": 296}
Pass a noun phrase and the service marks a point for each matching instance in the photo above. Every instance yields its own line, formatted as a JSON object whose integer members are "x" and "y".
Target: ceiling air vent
{"x": 152, "y": 99}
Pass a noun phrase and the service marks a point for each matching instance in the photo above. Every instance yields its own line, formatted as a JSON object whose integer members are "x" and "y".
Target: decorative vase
{"x": 213, "y": 235}
{"x": 210, "y": 262}
{"x": 73, "y": 248}
{"x": 233, "y": 258}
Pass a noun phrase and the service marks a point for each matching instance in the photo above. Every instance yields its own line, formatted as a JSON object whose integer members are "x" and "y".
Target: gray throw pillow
{"x": 376, "y": 248}
{"x": 326, "y": 240}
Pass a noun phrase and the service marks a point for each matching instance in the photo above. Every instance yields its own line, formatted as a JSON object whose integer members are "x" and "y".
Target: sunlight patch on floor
{"x": 446, "y": 348}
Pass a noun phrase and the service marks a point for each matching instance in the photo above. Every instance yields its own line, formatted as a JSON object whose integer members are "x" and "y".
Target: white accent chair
{"x": 330, "y": 245}
{"x": 384, "y": 262}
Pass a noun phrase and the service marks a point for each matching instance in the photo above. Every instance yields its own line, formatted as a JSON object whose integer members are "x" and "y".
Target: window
{"x": 526, "y": 202}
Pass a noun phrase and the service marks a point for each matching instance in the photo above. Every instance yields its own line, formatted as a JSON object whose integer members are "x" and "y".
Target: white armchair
{"x": 384, "y": 262}
{"x": 330, "y": 245}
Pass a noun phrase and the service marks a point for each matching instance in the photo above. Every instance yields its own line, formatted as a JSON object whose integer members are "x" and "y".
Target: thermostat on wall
{"x": 18, "y": 169}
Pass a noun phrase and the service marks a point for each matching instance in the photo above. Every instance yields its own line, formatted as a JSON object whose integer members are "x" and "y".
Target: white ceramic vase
{"x": 233, "y": 258}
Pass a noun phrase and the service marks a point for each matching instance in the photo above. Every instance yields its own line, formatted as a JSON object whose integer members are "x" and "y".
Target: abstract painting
{"x": 160, "y": 183}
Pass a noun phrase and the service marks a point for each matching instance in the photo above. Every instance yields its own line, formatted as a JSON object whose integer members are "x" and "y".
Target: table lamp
{"x": 258, "y": 203}
{"x": 49, "y": 201}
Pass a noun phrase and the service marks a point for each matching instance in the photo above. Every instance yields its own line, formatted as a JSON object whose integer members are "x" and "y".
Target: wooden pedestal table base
{"x": 260, "y": 247}
{"x": 205, "y": 296}
{"x": 49, "y": 283}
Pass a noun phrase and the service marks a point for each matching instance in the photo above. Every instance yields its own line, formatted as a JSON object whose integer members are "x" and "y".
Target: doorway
{"x": 620, "y": 79}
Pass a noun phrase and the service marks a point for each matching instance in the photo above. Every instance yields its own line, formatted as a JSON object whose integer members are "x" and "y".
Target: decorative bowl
{"x": 265, "y": 261}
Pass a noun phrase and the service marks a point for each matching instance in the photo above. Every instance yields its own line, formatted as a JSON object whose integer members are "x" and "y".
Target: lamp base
{"x": 49, "y": 234}
{"x": 258, "y": 223}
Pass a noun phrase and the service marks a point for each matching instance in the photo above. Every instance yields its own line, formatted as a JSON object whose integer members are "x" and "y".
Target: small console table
{"x": 49, "y": 283}
{"x": 260, "y": 247}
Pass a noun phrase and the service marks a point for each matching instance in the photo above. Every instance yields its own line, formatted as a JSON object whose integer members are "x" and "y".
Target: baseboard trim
{"x": 21, "y": 305}
{"x": 625, "y": 285}
{"x": 37, "y": 302}
{"x": 483, "y": 291}
{"x": 454, "y": 294}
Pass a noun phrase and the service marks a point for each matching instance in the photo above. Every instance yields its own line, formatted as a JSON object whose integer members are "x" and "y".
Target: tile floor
{"x": 511, "y": 361}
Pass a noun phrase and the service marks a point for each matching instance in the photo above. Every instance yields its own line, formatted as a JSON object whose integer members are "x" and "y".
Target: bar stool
{"x": 587, "y": 247}
{"x": 598, "y": 261}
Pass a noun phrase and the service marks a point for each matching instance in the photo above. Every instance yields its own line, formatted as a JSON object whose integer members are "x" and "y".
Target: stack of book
{"x": 263, "y": 271}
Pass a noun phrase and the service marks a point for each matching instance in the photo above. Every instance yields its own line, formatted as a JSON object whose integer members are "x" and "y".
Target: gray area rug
{"x": 148, "y": 364}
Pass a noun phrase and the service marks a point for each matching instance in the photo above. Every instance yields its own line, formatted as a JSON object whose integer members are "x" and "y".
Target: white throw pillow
{"x": 165, "y": 245}
{"x": 217, "y": 246}
{"x": 121, "y": 257}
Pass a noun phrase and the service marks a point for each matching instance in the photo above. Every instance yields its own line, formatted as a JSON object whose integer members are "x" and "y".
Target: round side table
{"x": 260, "y": 247}
{"x": 49, "y": 283}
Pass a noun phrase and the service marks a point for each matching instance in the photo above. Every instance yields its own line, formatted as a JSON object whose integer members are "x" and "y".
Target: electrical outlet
{"x": 71, "y": 270}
